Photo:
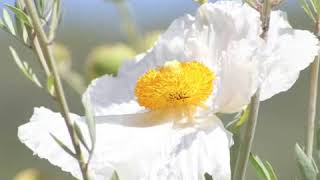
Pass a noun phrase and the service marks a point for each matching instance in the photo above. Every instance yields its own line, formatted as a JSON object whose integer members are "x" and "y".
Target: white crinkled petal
{"x": 230, "y": 21}
{"x": 36, "y": 136}
{"x": 286, "y": 53}
{"x": 238, "y": 79}
{"x": 170, "y": 46}
{"x": 111, "y": 95}
{"x": 138, "y": 151}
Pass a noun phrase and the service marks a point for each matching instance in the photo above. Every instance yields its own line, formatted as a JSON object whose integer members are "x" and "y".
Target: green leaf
{"x": 244, "y": 117}
{"x": 207, "y": 176}
{"x": 115, "y": 176}
{"x": 24, "y": 67}
{"x": 63, "y": 146}
{"x": 316, "y": 5}
{"x": 306, "y": 164}
{"x": 20, "y": 14}
{"x": 55, "y": 17}
{"x": 8, "y": 22}
{"x": 307, "y": 9}
{"x": 50, "y": 85}
{"x": 259, "y": 167}
{"x": 239, "y": 120}
{"x": 264, "y": 169}
{"x": 21, "y": 30}
{"x": 91, "y": 122}
{"x": 40, "y": 6}
{"x": 271, "y": 171}
{"x": 80, "y": 136}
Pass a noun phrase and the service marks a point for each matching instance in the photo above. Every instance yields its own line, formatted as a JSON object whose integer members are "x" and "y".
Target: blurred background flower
{"x": 106, "y": 59}
{"x": 31, "y": 174}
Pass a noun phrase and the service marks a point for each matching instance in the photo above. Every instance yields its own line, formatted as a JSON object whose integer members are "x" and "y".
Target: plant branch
{"x": 312, "y": 108}
{"x": 60, "y": 97}
{"x": 245, "y": 148}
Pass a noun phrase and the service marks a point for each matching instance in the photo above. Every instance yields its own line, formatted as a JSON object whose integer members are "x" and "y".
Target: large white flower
{"x": 155, "y": 120}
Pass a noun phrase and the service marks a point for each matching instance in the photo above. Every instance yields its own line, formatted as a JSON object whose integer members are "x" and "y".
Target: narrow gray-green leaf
{"x": 24, "y": 67}
{"x": 80, "y": 136}
{"x": 20, "y": 27}
{"x": 20, "y": 14}
{"x": 259, "y": 167}
{"x": 91, "y": 122}
{"x": 305, "y": 164}
{"x": 271, "y": 171}
{"x": 114, "y": 176}
{"x": 316, "y": 5}
{"x": 40, "y": 6}
{"x": 54, "y": 19}
{"x": 50, "y": 85}
{"x": 8, "y": 22}
{"x": 239, "y": 120}
{"x": 307, "y": 10}
{"x": 63, "y": 146}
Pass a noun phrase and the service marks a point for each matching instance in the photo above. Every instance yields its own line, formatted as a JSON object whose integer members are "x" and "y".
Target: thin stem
{"x": 313, "y": 91}
{"x": 39, "y": 54}
{"x": 60, "y": 97}
{"x": 34, "y": 43}
{"x": 129, "y": 25}
{"x": 312, "y": 106}
{"x": 245, "y": 148}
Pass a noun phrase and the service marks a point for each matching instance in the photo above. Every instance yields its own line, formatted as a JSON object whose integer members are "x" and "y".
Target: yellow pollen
{"x": 175, "y": 85}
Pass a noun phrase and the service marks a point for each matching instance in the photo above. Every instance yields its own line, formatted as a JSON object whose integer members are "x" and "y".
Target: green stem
{"x": 313, "y": 90}
{"x": 60, "y": 97}
{"x": 129, "y": 25}
{"x": 246, "y": 145}
{"x": 35, "y": 43}
{"x": 312, "y": 110}
{"x": 245, "y": 148}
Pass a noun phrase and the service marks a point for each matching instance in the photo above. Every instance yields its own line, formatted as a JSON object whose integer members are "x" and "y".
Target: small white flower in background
{"x": 155, "y": 120}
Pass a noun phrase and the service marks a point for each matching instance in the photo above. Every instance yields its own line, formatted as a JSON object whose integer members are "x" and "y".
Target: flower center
{"x": 175, "y": 85}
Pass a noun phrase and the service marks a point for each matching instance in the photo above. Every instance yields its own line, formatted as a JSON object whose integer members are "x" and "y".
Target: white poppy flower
{"x": 155, "y": 120}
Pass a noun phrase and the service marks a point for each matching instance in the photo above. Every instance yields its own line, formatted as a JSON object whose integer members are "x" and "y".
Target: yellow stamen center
{"x": 180, "y": 85}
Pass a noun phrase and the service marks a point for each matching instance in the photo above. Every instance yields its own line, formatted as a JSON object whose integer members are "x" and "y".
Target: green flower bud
{"x": 29, "y": 174}
{"x": 62, "y": 56}
{"x": 107, "y": 59}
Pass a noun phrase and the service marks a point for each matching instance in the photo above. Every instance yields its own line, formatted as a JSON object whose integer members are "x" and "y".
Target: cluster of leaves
{"x": 307, "y": 165}
{"x": 312, "y": 11}
{"x": 20, "y": 26}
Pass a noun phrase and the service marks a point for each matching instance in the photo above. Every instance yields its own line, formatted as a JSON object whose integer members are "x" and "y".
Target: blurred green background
{"x": 90, "y": 23}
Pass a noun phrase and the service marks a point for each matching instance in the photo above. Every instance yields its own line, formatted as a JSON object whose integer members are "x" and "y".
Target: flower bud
{"x": 106, "y": 59}
{"x": 62, "y": 56}
{"x": 29, "y": 174}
